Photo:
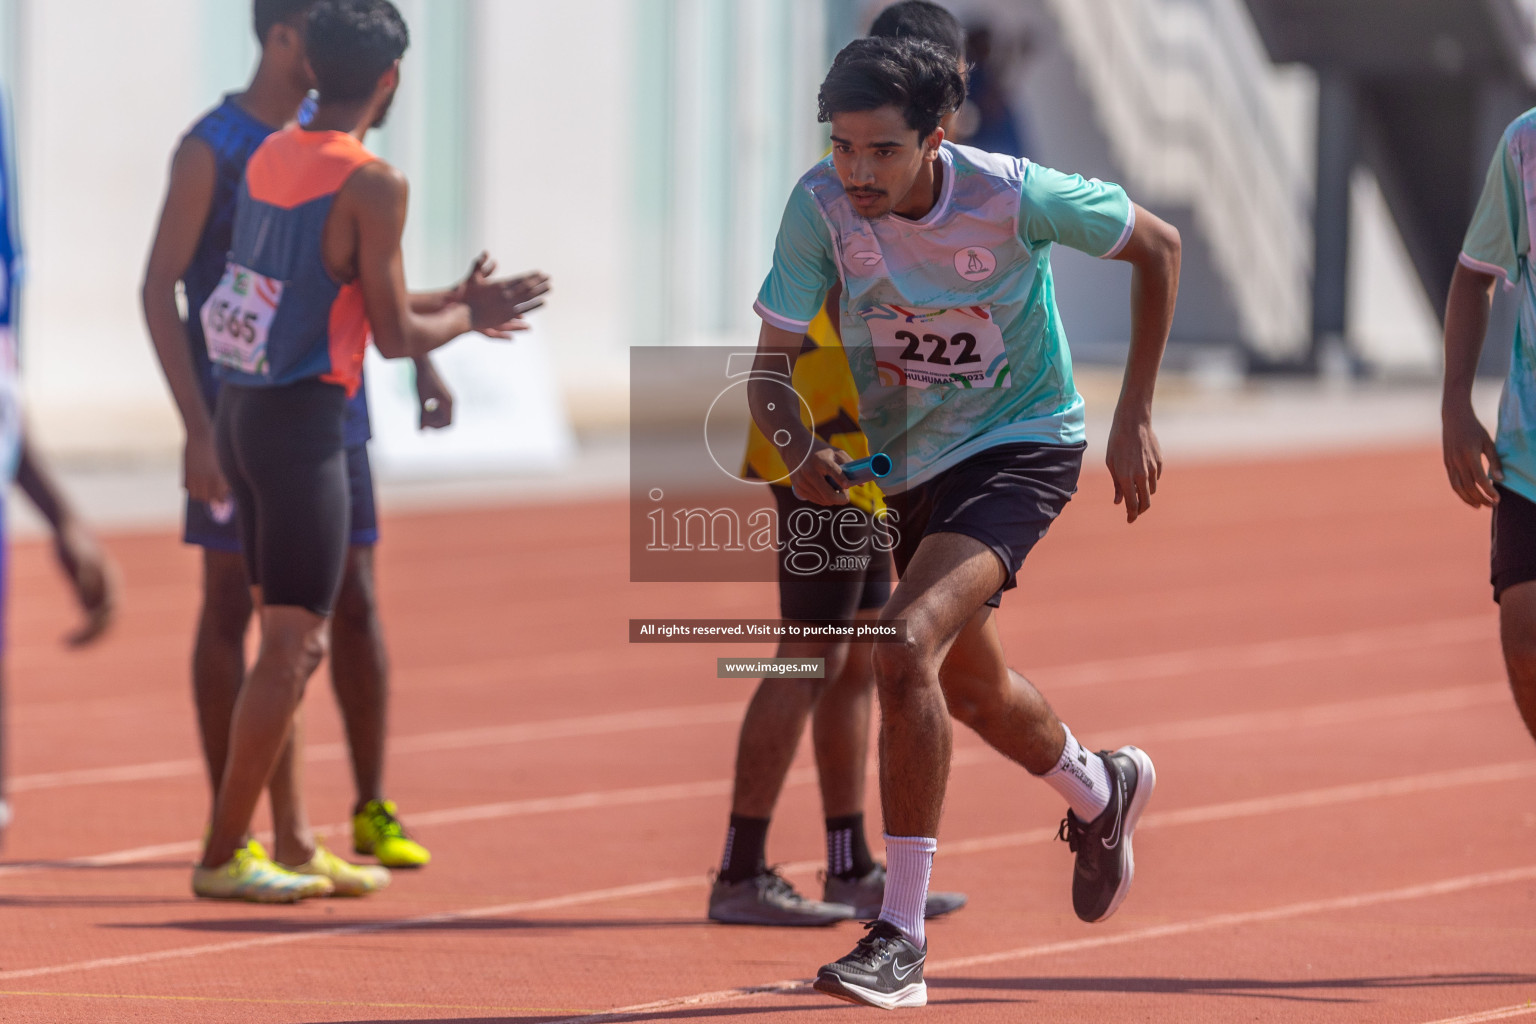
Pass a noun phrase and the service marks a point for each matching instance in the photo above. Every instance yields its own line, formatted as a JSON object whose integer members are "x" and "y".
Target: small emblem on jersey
{"x": 868, "y": 257}
{"x": 975, "y": 263}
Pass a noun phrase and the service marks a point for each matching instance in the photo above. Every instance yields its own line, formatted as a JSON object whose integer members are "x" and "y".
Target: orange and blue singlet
{"x": 233, "y": 134}
{"x": 278, "y": 316}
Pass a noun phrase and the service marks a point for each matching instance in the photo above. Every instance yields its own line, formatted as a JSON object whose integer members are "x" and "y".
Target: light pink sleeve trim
{"x": 783, "y": 323}
{"x": 1482, "y": 268}
{"x": 1125, "y": 236}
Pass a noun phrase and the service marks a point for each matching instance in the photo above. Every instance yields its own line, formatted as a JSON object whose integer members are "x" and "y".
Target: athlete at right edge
{"x": 956, "y": 347}
{"x": 1498, "y": 245}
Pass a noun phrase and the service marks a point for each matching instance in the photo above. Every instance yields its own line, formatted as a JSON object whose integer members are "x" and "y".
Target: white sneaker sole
{"x": 915, "y": 994}
{"x": 1146, "y": 781}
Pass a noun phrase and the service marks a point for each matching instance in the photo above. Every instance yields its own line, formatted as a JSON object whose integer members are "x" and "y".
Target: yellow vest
{"x": 823, "y": 379}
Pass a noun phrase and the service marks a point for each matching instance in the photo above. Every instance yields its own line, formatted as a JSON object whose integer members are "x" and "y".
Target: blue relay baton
{"x": 862, "y": 471}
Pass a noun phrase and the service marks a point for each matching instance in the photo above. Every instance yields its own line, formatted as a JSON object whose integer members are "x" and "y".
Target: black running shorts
{"x": 283, "y": 451}
{"x": 852, "y": 571}
{"x": 1514, "y": 541}
{"x": 1006, "y": 497}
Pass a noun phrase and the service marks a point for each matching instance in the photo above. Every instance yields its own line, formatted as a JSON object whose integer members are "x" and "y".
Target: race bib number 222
{"x": 238, "y": 317}
{"x": 937, "y": 348}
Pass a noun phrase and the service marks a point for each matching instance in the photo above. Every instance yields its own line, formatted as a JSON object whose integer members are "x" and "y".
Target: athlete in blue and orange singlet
{"x": 191, "y": 248}
{"x": 315, "y": 270}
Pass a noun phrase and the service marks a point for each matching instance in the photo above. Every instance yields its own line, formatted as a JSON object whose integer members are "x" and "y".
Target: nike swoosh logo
{"x": 902, "y": 972}
{"x": 1113, "y": 840}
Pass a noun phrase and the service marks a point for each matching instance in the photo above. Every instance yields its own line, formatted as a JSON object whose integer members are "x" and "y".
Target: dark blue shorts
{"x": 206, "y": 530}
{"x": 831, "y": 595}
{"x": 1514, "y": 541}
{"x": 1005, "y": 497}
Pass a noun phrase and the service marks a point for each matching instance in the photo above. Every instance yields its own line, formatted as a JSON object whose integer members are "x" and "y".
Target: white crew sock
{"x": 908, "y": 862}
{"x": 1081, "y": 778}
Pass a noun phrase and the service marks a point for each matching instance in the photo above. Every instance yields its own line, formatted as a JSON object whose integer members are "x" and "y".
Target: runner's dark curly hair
{"x": 913, "y": 75}
{"x": 351, "y": 44}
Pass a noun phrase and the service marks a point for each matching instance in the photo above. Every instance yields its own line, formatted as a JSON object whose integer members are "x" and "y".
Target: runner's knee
{"x": 297, "y": 646}
{"x": 973, "y": 692}
{"x": 902, "y": 664}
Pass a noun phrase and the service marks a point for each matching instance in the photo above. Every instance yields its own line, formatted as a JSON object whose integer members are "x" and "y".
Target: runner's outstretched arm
{"x": 374, "y": 201}
{"x": 1134, "y": 460}
{"x": 1464, "y": 440}
{"x": 434, "y": 398}
{"x": 188, "y": 198}
{"x": 90, "y": 572}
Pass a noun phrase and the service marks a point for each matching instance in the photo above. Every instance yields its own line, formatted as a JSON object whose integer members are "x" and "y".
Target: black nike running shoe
{"x": 884, "y": 970}
{"x": 767, "y": 898}
{"x": 1105, "y": 863}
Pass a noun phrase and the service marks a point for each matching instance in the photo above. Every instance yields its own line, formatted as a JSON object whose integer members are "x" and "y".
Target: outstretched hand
{"x": 497, "y": 306}
{"x": 93, "y": 577}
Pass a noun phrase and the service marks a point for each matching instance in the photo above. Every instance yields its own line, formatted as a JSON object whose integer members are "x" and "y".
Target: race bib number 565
{"x": 237, "y": 318}
{"x": 937, "y": 348}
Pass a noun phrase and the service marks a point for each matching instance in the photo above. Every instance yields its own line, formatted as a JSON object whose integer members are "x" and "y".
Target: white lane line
{"x": 724, "y": 995}
{"x": 1438, "y": 701}
{"x": 1525, "y": 1009}
{"x": 361, "y": 928}
{"x": 1269, "y": 653}
{"x": 1134, "y": 669}
{"x": 1443, "y": 701}
{"x": 455, "y": 739}
{"x": 1191, "y": 815}
{"x": 1444, "y": 887}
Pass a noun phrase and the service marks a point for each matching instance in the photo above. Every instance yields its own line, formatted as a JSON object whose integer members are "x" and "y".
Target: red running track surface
{"x": 1343, "y": 830}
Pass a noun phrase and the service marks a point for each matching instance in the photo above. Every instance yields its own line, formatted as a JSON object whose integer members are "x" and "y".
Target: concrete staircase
{"x": 1180, "y": 91}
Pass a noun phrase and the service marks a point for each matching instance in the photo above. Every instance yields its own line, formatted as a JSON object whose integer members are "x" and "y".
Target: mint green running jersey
{"x": 1499, "y": 243}
{"x": 949, "y": 322}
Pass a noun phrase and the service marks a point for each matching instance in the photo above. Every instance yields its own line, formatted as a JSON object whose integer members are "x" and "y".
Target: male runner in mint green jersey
{"x": 954, "y": 341}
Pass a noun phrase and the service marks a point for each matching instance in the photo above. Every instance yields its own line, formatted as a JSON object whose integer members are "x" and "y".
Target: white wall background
{"x": 637, "y": 150}
{"x": 97, "y": 117}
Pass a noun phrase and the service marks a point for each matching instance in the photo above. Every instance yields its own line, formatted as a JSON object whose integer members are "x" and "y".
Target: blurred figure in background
{"x": 988, "y": 120}
{"x": 90, "y": 573}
